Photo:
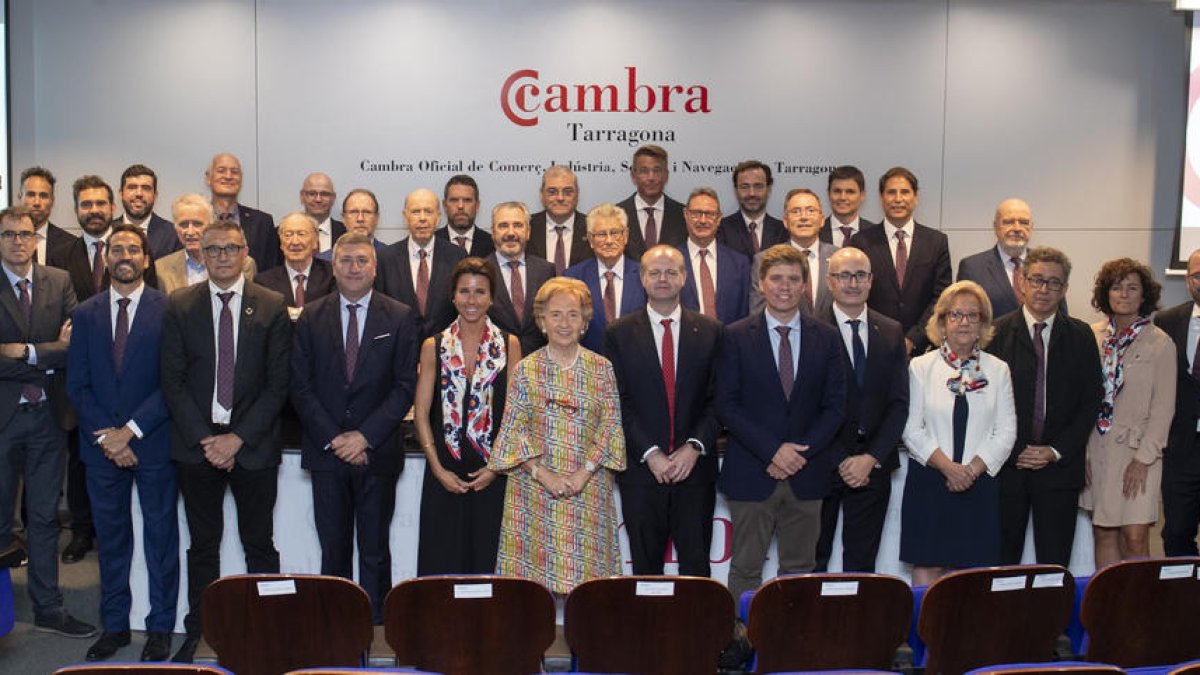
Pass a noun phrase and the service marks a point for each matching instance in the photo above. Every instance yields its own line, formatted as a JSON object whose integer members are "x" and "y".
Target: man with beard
{"x": 750, "y": 229}
{"x": 558, "y": 233}
{"x": 224, "y": 178}
{"x": 124, "y": 430}
{"x": 461, "y": 201}
{"x": 521, "y": 274}
{"x": 37, "y": 195}
{"x": 1000, "y": 268}
{"x": 139, "y": 191}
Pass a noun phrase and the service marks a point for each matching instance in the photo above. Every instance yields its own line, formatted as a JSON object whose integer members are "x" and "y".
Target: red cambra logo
{"x": 523, "y": 97}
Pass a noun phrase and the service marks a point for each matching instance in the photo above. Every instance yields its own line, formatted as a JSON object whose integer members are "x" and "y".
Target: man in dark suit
{"x": 360, "y": 208}
{"x": 611, "y": 276}
{"x": 876, "y": 410}
{"x": 461, "y": 201}
{"x": 35, "y": 303}
{"x": 751, "y": 229}
{"x": 559, "y": 232}
{"x": 668, "y": 491}
{"x": 520, "y": 274}
{"x": 353, "y": 378}
{"x": 224, "y": 178}
{"x": 802, "y": 217}
{"x": 225, "y": 350}
{"x": 777, "y": 462}
{"x": 1057, "y": 387}
{"x": 718, "y": 283}
{"x": 910, "y": 262}
{"x": 847, "y": 188}
{"x": 37, "y": 195}
{"x": 1181, "y": 457}
{"x": 139, "y": 192}
{"x": 999, "y": 268}
{"x": 417, "y": 269}
{"x": 651, "y": 216}
{"x": 317, "y": 196}
{"x": 113, "y": 380}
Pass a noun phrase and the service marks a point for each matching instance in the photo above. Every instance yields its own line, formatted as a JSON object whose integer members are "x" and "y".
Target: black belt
{"x": 27, "y": 406}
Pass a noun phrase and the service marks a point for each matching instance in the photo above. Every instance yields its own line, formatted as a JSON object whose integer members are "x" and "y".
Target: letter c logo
{"x": 514, "y": 100}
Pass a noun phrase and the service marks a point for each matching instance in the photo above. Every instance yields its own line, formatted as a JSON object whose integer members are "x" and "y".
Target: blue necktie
{"x": 860, "y": 352}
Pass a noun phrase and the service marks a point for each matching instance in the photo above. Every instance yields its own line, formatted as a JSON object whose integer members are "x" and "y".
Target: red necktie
{"x": 847, "y": 232}
{"x": 226, "y": 353}
{"x": 299, "y": 292}
{"x": 560, "y": 251}
{"x": 121, "y": 336}
{"x": 517, "y": 290}
{"x": 1016, "y": 272}
{"x": 97, "y": 265}
{"x": 708, "y": 292}
{"x": 901, "y": 257}
{"x": 610, "y": 298}
{"x": 423, "y": 282}
{"x": 351, "y": 342}
{"x": 787, "y": 373}
{"x": 31, "y": 392}
{"x": 651, "y": 227}
{"x": 668, "y": 373}
{"x": 462, "y": 242}
{"x": 807, "y": 298}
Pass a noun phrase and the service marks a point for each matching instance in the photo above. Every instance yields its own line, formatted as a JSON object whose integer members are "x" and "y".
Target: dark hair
{"x": 131, "y": 229}
{"x": 135, "y": 170}
{"x": 15, "y": 212}
{"x": 1046, "y": 254}
{"x": 89, "y": 182}
{"x": 898, "y": 172}
{"x": 461, "y": 179}
{"x": 39, "y": 172}
{"x": 476, "y": 266}
{"x": 1111, "y": 274}
{"x": 361, "y": 191}
{"x": 800, "y": 191}
{"x": 750, "y": 165}
{"x": 849, "y": 172}
{"x": 655, "y": 151}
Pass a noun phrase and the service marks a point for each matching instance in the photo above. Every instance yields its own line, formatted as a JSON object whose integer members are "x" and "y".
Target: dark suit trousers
{"x": 32, "y": 446}
{"x": 864, "y": 511}
{"x": 349, "y": 500}
{"x": 203, "y": 488}
{"x": 1054, "y": 514}
{"x": 77, "y": 491}
{"x": 1181, "y": 501}
{"x": 111, "y": 488}
{"x": 656, "y": 514}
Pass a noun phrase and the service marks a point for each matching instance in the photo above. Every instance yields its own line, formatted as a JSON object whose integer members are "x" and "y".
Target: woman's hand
{"x": 480, "y": 479}
{"x": 449, "y": 480}
{"x": 1133, "y": 483}
{"x": 577, "y": 480}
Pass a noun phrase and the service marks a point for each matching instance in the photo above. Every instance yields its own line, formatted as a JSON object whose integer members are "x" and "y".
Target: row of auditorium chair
{"x": 1132, "y": 615}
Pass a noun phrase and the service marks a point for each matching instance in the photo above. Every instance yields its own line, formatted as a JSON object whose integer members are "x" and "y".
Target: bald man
{"x": 999, "y": 268}
{"x": 317, "y": 196}
{"x": 224, "y": 179}
{"x": 417, "y": 269}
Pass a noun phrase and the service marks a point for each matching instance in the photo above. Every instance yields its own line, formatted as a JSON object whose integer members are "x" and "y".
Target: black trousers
{"x": 203, "y": 488}
{"x": 656, "y": 514}
{"x": 77, "y": 492}
{"x": 864, "y": 512}
{"x": 1181, "y": 500}
{"x": 1054, "y": 515}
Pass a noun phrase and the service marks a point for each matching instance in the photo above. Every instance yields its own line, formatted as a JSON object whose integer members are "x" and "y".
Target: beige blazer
{"x": 1144, "y": 407}
{"x": 172, "y": 271}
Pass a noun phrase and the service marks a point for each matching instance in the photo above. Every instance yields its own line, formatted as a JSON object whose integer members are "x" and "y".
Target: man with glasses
{"x": 999, "y": 269}
{"x": 718, "y": 280}
{"x": 750, "y": 229}
{"x": 225, "y": 350}
{"x": 1056, "y": 380}
{"x": 318, "y": 196}
{"x": 802, "y": 216}
{"x": 360, "y": 209}
{"x": 651, "y": 216}
{"x": 865, "y": 454}
{"x": 612, "y": 277}
{"x": 558, "y": 233}
{"x": 185, "y": 267}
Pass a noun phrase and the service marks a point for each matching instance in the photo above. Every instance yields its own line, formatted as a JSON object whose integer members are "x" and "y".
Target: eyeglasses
{"x": 958, "y": 316}
{"x": 1194, "y": 278}
{"x": 565, "y": 192}
{"x": 323, "y": 194}
{"x": 846, "y": 277}
{"x": 703, "y": 215}
{"x": 226, "y": 250}
{"x": 608, "y": 234}
{"x": 1038, "y": 282}
{"x": 13, "y": 235}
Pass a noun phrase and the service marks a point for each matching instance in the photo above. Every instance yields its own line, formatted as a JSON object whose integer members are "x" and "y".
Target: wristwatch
{"x": 590, "y": 466}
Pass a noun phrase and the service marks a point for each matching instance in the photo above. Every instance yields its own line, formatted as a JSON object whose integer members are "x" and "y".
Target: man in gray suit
{"x": 35, "y": 303}
{"x": 998, "y": 268}
{"x": 803, "y": 217}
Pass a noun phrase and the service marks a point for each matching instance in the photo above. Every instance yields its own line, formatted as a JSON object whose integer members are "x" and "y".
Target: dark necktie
{"x": 226, "y": 353}
{"x": 787, "y": 372}
{"x": 560, "y": 250}
{"x": 228, "y": 215}
{"x": 423, "y": 282}
{"x": 97, "y": 265}
{"x": 806, "y": 298}
{"x": 1016, "y": 272}
{"x": 299, "y": 291}
{"x": 668, "y": 373}
{"x": 1039, "y": 385}
{"x": 121, "y": 335}
{"x": 1196, "y": 360}
{"x": 351, "y": 342}
{"x": 31, "y": 392}
{"x": 708, "y": 290}
{"x": 901, "y": 257}
{"x": 847, "y": 232}
{"x": 610, "y": 298}
{"x": 517, "y": 290}
{"x": 462, "y": 242}
{"x": 754, "y": 240}
{"x": 961, "y": 412}
{"x": 651, "y": 227}
{"x": 860, "y": 352}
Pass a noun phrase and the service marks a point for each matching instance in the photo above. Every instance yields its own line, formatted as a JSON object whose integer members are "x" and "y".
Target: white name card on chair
{"x": 1048, "y": 580}
{"x": 839, "y": 588}
{"x": 1175, "y": 572}
{"x": 1008, "y": 583}
{"x": 283, "y": 587}
{"x": 655, "y": 588}
{"x": 472, "y": 591}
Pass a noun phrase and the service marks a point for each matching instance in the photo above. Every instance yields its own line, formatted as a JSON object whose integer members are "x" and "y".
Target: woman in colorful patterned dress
{"x": 560, "y": 443}
{"x": 458, "y": 407}
{"x": 1124, "y": 453}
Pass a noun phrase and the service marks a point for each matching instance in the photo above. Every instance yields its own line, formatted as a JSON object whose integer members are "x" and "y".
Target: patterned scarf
{"x": 1112, "y": 359}
{"x": 970, "y": 377}
{"x": 489, "y": 361}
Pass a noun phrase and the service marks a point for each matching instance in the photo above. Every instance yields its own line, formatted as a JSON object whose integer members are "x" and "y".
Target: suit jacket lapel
{"x": 888, "y": 268}
{"x": 8, "y": 299}
{"x": 999, "y": 272}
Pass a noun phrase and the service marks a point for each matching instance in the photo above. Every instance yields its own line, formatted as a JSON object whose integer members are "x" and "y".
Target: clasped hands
{"x": 115, "y": 444}
{"x": 563, "y": 486}
{"x": 673, "y": 468}
{"x": 788, "y": 460}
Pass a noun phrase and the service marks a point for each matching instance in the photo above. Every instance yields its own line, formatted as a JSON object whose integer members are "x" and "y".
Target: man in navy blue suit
{"x": 668, "y": 491}
{"x": 999, "y": 268}
{"x": 781, "y": 391}
{"x": 353, "y": 375}
{"x": 125, "y": 438}
{"x": 651, "y": 216}
{"x": 718, "y": 283}
{"x": 751, "y": 229}
{"x": 460, "y": 198}
{"x": 224, "y": 177}
{"x": 520, "y": 276}
{"x": 876, "y": 409}
{"x": 139, "y": 192}
{"x": 847, "y": 189}
{"x": 611, "y": 276}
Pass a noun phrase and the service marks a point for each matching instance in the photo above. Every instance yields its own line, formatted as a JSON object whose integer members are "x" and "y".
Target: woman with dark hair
{"x": 1124, "y": 470}
{"x": 459, "y": 405}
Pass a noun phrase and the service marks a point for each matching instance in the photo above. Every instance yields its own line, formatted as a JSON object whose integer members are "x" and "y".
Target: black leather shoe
{"x": 187, "y": 650}
{"x": 158, "y": 647}
{"x": 65, "y": 625}
{"x": 77, "y": 549}
{"x": 107, "y": 645}
{"x": 12, "y": 555}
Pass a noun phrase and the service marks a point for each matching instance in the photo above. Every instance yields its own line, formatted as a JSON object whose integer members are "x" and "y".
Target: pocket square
{"x": 380, "y": 337}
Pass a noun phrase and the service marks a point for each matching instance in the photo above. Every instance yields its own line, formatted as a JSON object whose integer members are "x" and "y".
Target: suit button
{"x": 347, "y": 413}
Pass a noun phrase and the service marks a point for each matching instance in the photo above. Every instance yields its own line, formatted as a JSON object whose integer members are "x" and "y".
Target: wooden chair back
{"x": 1142, "y": 613}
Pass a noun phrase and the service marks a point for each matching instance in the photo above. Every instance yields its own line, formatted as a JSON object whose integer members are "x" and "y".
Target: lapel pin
{"x": 249, "y": 311}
